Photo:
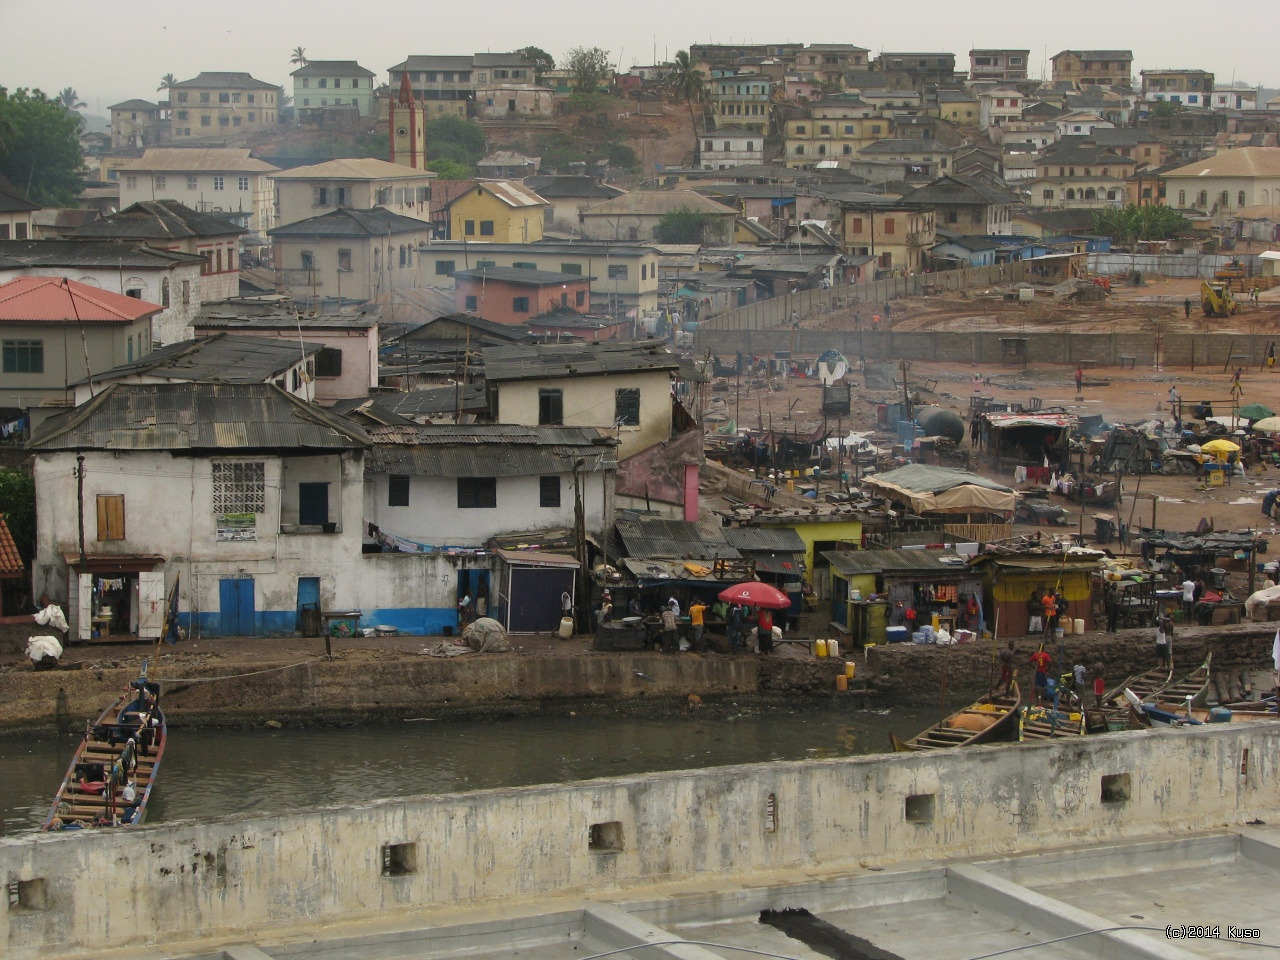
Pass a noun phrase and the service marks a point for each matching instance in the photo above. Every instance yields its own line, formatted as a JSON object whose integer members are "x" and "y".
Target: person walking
{"x": 888, "y": 310}
{"x": 1099, "y": 683}
{"x": 1079, "y": 682}
{"x": 1186, "y": 307}
{"x": 1079, "y": 379}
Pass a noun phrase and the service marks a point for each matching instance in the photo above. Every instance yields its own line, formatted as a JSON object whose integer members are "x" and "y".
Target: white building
{"x": 450, "y": 485}
{"x": 730, "y": 147}
{"x": 999, "y": 106}
{"x": 169, "y": 278}
{"x": 224, "y": 181}
{"x": 1234, "y": 96}
{"x": 1079, "y": 123}
{"x": 272, "y": 494}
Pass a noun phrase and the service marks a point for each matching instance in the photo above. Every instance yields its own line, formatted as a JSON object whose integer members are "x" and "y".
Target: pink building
{"x": 516, "y": 295}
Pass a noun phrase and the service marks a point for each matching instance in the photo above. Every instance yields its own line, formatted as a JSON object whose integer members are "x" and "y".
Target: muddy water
{"x": 208, "y": 773}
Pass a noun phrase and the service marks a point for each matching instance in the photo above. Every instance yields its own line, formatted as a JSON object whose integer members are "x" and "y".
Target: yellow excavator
{"x": 1216, "y": 299}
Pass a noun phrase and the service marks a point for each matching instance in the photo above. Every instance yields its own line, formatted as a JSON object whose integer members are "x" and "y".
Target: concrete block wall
{"x": 1201, "y": 350}
{"x": 224, "y": 878}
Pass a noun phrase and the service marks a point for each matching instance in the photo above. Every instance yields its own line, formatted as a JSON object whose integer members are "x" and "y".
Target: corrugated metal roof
{"x": 925, "y": 478}
{"x": 861, "y": 562}
{"x": 487, "y": 450}
{"x": 159, "y": 220}
{"x": 357, "y": 168}
{"x": 538, "y": 361}
{"x": 656, "y": 203}
{"x": 197, "y": 416}
{"x": 196, "y": 159}
{"x": 220, "y": 358}
{"x": 541, "y": 278}
{"x": 332, "y": 68}
{"x": 511, "y": 193}
{"x": 645, "y": 537}
{"x": 223, "y": 80}
{"x": 346, "y": 222}
{"x": 765, "y": 539}
{"x": 92, "y": 253}
{"x": 58, "y": 300}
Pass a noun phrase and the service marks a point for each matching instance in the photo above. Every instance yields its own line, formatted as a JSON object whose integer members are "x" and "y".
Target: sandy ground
{"x": 1129, "y": 395}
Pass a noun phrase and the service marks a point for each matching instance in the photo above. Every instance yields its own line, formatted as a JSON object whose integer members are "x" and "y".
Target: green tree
{"x": 452, "y": 138}
{"x": 1133, "y": 223}
{"x": 68, "y": 97}
{"x": 684, "y": 225}
{"x": 588, "y": 67}
{"x": 166, "y": 82}
{"x": 689, "y": 85}
{"x": 299, "y": 57}
{"x": 541, "y": 60}
{"x": 42, "y": 155}
{"x": 18, "y": 507}
{"x": 451, "y": 169}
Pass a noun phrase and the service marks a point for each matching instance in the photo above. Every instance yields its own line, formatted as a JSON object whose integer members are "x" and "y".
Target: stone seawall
{"x": 916, "y": 673}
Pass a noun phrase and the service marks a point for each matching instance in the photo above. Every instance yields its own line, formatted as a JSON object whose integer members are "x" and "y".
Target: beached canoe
{"x": 991, "y": 718}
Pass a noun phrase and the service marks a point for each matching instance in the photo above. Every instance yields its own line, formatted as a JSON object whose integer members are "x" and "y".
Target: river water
{"x": 214, "y": 772}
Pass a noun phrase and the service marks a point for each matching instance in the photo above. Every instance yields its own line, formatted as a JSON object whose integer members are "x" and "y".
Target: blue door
{"x": 236, "y": 606}
{"x": 308, "y": 595}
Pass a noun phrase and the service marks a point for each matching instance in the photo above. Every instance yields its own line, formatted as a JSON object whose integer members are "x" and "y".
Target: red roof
{"x": 10, "y": 562}
{"x": 58, "y": 300}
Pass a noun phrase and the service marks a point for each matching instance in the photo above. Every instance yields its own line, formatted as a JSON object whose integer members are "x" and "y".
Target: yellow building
{"x": 216, "y": 104}
{"x": 497, "y": 211}
{"x": 820, "y": 532}
{"x": 895, "y": 235}
{"x": 837, "y": 128}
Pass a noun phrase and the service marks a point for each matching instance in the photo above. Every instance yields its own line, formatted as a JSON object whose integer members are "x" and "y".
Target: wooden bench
{"x": 1129, "y": 362}
{"x": 798, "y": 641}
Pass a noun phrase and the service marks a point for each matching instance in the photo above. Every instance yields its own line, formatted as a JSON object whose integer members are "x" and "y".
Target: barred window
{"x": 239, "y": 486}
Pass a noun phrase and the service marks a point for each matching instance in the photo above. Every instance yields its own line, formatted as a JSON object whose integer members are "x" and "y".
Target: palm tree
{"x": 686, "y": 82}
{"x": 167, "y": 81}
{"x": 299, "y": 57}
{"x": 70, "y": 99}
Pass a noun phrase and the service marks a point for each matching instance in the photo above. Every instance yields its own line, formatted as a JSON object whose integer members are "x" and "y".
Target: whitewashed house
{"x": 271, "y": 493}
{"x": 730, "y": 147}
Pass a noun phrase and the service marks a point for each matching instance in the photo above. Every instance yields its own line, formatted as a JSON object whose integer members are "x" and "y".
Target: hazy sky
{"x": 120, "y": 49}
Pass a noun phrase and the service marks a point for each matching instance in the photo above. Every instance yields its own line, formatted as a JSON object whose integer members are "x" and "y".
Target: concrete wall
{"x": 1209, "y": 350}
{"x": 223, "y": 878}
{"x": 865, "y": 297}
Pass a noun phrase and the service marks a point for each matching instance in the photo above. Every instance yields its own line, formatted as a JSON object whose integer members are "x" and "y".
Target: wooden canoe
{"x": 118, "y": 758}
{"x": 1043, "y": 725}
{"x": 1143, "y": 685}
{"x": 987, "y": 720}
{"x": 1194, "y": 686}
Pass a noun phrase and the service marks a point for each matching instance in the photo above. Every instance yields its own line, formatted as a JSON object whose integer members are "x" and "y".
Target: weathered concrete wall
{"x": 1209, "y": 350}
{"x": 224, "y": 878}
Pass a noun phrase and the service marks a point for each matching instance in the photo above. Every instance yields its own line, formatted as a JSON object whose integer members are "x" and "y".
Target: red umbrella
{"x": 753, "y": 593}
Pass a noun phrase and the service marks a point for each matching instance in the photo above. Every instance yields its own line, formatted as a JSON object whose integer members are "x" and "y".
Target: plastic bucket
{"x": 820, "y": 648}
{"x": 842, "y": 682}
{"x": 566, "y": 628}
{"x": 833, "y": 648}
{"x": 1079, "y": 626}
{"x": 1058, "y": 633}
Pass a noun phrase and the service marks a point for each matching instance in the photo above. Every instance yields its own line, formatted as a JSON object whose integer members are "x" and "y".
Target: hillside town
{"x": 783, "y": 370}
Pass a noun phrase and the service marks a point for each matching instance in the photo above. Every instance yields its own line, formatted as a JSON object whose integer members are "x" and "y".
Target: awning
{"x": 785, "y": 566}
{"x": 112, "y": 563}
{"x": 930, "y": 489}
{"x": 535, "y": 558}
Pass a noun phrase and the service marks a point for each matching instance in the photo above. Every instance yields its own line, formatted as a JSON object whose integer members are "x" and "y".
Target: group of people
{"x": 1045, "y": 610}
{"x": 1041, "y": 662}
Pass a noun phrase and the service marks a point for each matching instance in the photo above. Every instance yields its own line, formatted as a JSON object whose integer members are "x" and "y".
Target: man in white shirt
{"x": 1188, "y": 598}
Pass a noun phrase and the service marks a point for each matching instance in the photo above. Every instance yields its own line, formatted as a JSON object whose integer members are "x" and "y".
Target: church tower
{"x": 407, "y": 123}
